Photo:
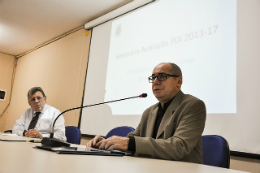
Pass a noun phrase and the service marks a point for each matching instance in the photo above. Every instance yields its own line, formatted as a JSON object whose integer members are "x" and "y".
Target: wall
{"x": 60, "y": 69}
{"x": 245, "y": 164}
{"x": 7, "y": 63}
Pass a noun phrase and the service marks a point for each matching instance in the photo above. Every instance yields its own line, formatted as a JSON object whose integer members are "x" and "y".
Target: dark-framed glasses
{"x": 34, "y": 99}
{"x": 160, "y": 77}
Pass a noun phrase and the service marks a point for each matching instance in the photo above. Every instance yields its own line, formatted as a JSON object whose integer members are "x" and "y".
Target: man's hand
{"x": 114, "y": 143}
{"x": 95, "y": 142}
{"x": 33, "y": 133}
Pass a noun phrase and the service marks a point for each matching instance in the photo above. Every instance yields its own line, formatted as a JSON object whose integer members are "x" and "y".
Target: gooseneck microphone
{"x": 52, "y": 142}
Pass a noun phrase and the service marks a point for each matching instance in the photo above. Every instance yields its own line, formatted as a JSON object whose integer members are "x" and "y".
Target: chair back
{"x": 73, "y": 134}
{"x": 120, "y": 131}
{"x": 215, "y": 151}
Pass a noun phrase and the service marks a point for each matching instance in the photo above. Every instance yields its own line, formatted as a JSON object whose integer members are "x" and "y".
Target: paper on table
{"x": 9, "y": 134}
{"x": 82, "y": 149}
{"x": 78, "y": 146}
{"x": 106, "y": 151}
{"x": 72, "y": 148}
{"x": 98, "y": 150}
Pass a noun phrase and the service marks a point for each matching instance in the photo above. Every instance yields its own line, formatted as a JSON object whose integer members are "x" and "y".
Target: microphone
{"x": 52, "y": 142}
{"x": 143, "y": 95}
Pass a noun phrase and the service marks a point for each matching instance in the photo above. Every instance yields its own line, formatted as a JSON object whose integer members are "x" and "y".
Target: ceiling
{"x": 26, "y": 24}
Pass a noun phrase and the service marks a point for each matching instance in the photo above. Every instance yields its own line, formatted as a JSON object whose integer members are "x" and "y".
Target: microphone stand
{"x": 53, "y": 142}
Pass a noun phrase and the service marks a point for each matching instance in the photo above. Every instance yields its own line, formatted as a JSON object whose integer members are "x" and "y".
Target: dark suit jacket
{"x": 179, "y": 134}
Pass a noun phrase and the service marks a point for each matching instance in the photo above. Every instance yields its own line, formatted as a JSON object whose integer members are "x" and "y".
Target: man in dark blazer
{"x": 170, "y": 129}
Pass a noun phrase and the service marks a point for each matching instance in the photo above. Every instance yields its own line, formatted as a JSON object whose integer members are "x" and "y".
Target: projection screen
{"x": 215, "y": 43}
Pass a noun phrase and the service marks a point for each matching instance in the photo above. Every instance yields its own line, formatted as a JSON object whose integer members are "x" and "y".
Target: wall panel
{"x": 59, "y": 68}
{"x": 6, "y": 72}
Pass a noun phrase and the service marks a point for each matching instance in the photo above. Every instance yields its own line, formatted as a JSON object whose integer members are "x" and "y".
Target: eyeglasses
{"x": 34, "y": 99}
{"x": 160, "y": 77}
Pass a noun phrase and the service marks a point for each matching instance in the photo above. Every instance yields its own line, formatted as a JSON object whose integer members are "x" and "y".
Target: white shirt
{"x": 44, "y": 123}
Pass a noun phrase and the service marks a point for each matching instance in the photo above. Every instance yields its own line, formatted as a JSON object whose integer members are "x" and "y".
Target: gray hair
{"x": 34, "y": 90}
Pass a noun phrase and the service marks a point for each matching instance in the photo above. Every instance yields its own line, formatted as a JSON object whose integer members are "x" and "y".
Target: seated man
{"x": 36, "y": 122}
{"x": 170, "y": 129}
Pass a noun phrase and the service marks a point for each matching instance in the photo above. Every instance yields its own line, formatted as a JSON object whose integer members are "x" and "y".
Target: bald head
{"x": 173, "y": 68}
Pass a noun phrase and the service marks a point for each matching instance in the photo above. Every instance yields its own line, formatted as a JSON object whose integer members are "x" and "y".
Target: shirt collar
{"x": 165, "y": 105}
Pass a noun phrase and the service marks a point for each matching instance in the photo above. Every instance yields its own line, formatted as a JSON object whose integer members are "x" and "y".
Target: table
{"x": 21, "y": 157}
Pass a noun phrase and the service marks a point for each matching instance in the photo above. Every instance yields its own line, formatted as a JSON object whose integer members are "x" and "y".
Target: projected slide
{"x": 200, "y": 39}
